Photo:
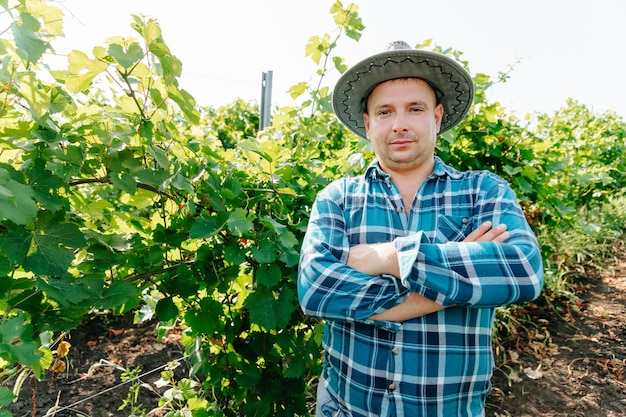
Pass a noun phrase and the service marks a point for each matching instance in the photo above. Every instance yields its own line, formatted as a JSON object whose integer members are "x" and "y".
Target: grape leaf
{"x": 126, "y": 58}
{"x": 239, "y": 222}
{"x": 268, "y": 310}
{"x": 16, "y": 200}
{"x": 16, "y": 339}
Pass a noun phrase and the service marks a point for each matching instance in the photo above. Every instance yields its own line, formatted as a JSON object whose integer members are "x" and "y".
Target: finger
{"x": 502, "y": 237}
{"x": 495, "y": 234}
{"x": 478, "y": 232}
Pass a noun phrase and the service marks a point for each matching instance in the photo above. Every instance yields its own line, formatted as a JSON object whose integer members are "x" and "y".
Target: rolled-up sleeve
{"x": 327, "y": 286}
{"x": 480, "y": 274}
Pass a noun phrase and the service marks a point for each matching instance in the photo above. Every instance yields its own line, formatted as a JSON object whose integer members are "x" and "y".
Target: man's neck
{"x": 410, "y": 180}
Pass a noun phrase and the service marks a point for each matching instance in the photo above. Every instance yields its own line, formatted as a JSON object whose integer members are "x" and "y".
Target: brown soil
{"x": 574, "y": 363}
{"x": 566, "y": 359}
{"x": 91, "y": 385}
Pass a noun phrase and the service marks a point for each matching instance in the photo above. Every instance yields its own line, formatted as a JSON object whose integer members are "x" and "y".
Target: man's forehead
{"x": 417, "y": 81}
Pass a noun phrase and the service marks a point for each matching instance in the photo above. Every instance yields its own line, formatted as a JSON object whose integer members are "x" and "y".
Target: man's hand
{"x": 486, "y": 233}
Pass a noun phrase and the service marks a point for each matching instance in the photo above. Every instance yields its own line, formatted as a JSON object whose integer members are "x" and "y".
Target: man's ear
{"x": 366, "y": 123}
{"x": 438, "y": 115}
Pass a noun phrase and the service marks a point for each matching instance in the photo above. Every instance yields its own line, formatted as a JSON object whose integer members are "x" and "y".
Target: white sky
{"x": 567, "y": 48}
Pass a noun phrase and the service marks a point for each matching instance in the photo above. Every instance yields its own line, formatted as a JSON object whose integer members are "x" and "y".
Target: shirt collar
{"x": 375, "y": 172}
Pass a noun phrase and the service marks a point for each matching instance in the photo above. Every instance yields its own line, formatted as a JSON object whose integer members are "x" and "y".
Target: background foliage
{"x": 119, "y": 194}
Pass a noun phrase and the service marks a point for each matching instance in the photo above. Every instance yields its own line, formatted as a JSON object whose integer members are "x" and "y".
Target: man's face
{"x": 402, "y": 122}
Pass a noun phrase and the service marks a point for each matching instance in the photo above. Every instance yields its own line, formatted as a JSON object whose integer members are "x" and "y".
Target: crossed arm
{"x": 382, "y": 258}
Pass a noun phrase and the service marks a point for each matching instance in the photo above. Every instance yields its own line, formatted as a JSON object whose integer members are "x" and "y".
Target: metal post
{"x": 266, "y": 100}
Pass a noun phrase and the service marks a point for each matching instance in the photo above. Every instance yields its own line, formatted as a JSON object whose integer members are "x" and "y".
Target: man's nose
{"x": 400, "y": 122}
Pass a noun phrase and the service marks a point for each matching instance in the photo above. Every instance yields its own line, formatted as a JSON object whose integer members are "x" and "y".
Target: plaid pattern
{"x": 439, "y": 364}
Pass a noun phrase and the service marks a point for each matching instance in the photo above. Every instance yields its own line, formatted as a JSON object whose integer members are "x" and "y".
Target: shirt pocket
{"x": 453, "y": 228}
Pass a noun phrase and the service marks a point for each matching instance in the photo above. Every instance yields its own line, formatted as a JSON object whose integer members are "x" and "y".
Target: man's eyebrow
{"x": 409, "y": 104}
{"x": 418, "y": 103}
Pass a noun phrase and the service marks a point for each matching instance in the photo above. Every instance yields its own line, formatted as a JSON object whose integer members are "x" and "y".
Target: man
{"x": 407, "y": 262}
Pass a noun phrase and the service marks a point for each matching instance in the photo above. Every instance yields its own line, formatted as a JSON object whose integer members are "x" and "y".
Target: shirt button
{"x": 465, "y": 220}
{"x": 392, "y": 386}
{"x": 395, "y": 351}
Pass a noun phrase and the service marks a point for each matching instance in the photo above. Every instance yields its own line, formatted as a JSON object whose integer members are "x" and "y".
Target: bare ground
{"x": 574, "y": 363}
{"x": 563, "y": 358}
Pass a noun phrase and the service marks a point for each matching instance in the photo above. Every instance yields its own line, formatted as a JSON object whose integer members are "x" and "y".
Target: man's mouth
{"x": 400, "y": 142}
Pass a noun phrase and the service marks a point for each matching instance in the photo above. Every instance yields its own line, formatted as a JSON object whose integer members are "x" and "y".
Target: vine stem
{"x": 327, "y": 56}
{"x": 108, "y": 181}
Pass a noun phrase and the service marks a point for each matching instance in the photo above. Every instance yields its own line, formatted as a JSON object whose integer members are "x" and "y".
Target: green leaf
{"x": 160, "y": 156}
{"x": 340, "y": 64}
{"x": 233, "y": 186}
{"x": 35, "y": 94}
{"x": 116, "y": 295}
{"x": 146, "y": 130}
{"x": 264, "y": 252}
{"x": 17, "y": 241}
{"x": 248, "y": 375}
{"x": 183, "y": 284}
{"x": 29, "y": 44}
{"x": 151, "y": 31}
{"x": 239, "y": 222}
{"x": 290, "y": 257}
{"x": 295, "y": 367}
{"x": 39, "y": 368}
{"x": 285, "y": 240}
{"x": 5, "y": 268}
{"x": 181, "y": 183}
{"x": 46, "y": 185}
{"x": 207, "y": 319}
{"x": 166, "y": 309}
{"x": 51, "y": 16}
{"x": 16, "y": 200}
{"x": 82, "y": 71}
{"x": 73, "y": 155}
{"x": 314, "y": 49}
{"x": 54, "y": 249}
{"x": 124, "y": 181}
{"x": 268, "y": 275}
{"x": 126, "y": 57}
{"x": 6, "y": 396}
{"x": 68, "y": 290}
{"x": 511, "y": 170}
{"x": 524, "y": 185}
{"x": 255, "y": 407}
{"x": 234, "y": 253}
{"x": 297, "y": 90}
{"x": 491, "y": 114}
{"x": 156, "y": 178}
{"x": 186, "y": 103}
{"x": 17, "y": 340}
{"x": 252, "y": 145}
{"x": 171, "y": 67}
{"x": 205, "y": 227}
{"x": 269, "y": 311}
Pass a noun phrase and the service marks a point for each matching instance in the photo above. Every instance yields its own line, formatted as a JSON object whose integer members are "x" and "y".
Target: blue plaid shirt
{"x": 439, "y": 364}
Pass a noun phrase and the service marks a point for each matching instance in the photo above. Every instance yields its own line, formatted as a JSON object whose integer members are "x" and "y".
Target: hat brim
{"x": 454, "y": 84}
